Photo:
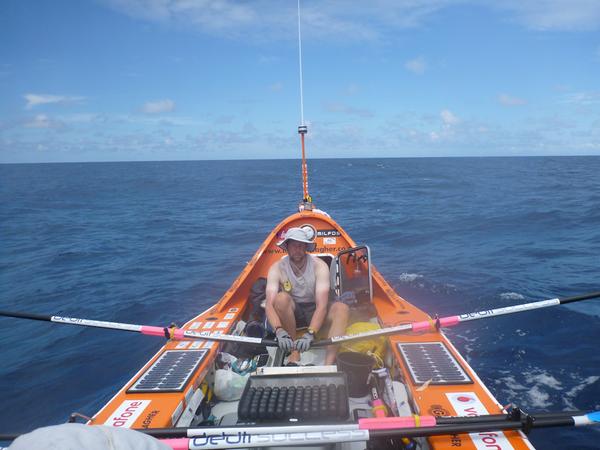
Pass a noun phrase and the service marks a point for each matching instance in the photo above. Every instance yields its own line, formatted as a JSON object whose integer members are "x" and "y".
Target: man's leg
{"x": 284, "y": 307}
{"x": 338, "y": 316}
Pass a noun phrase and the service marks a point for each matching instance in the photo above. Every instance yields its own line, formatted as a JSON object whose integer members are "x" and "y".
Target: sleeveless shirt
{"x": 303, "y": 286}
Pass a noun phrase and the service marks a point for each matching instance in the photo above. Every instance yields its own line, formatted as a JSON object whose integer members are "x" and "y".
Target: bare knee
{"x": 339, "y": 312}
{"x": 283, "y": 302}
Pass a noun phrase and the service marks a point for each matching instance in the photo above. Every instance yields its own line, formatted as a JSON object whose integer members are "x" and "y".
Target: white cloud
{"x": 34, "y": 100}
{"x": 509, "y": 100}
{"x": 559, "y": 15}
{"x": 42, "y": 121}
{"x": 582, "y": 98}
{"x": 417, "y": 65}
{"x": 158, "y": 106}
{"x": 276, "y": 87}
{"x": 449, "y": 118}
{"x": 352, "y": 89}
{"x": 337, "y": 107}
{"x": 363, "y": 21}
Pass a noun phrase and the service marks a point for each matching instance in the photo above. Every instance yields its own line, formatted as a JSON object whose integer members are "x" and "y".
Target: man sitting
{"x": 297, "y": 296}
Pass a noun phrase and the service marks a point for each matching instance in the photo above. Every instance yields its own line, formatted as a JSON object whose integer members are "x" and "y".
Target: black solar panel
{"x": 431, "y": 361}
{"x": 170, "y": 372}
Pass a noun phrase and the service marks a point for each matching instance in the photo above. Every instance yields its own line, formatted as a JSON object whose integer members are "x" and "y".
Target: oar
{"x": 166, "y": 332}
{"x": 343, "y": 433}
{"x": 450, "y": 321}
{"x": 365, "y": 429}
{"x": 371, "y": 424}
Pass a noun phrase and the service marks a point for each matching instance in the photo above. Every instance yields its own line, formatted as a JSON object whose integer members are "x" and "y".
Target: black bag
{"x": 258, "y": 294}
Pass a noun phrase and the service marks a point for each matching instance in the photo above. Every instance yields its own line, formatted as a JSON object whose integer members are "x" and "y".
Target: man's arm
{"x": 321, "y": 294}
{"x": 271, "y": 292}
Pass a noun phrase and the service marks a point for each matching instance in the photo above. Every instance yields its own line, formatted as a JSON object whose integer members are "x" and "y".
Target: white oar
{"x": 166, "y": 332}
{"x": 377, "y": 428}
{"x": 450, "y": 321}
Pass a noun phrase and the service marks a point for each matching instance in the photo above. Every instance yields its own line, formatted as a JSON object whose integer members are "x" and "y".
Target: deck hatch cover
{"x": 170, "y": 372}
{"x": 432, "y": 361}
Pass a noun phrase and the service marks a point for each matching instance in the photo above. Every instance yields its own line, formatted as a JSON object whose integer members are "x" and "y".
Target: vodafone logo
{"x": 127, "y": 413}
{"x": 468, "y": 404}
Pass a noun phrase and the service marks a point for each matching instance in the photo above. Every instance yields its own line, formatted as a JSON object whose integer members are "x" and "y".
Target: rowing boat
{"x": 449, "y": 386}
{"x": 221, "y": 381}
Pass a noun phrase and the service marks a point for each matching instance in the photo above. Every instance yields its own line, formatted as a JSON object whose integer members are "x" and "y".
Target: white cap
{"x": 299, "y": 235}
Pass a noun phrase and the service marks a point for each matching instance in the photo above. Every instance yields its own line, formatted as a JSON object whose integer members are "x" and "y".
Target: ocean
{"x": 158, "y": 242}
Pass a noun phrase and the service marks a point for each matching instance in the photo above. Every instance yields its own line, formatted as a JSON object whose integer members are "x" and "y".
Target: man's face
{"x": 296, "y": 251}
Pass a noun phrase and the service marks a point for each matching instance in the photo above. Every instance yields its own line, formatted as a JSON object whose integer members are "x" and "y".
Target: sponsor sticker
{"x": 329, "y": 241}
{"x": 209, "y": 344}
{"x": 182, "y": 345}
{"x": 328, "y": 233}
{"x": 177, "y": 413}
{"x": 195, "y": 325}
{"x": 196, "y": 345}
{"x": 222, "y": 324}
{"x": 234, "y": 309}
{"x": 468, "y": 404}
{"x": 229, "y": 316}
{"x": 208, "y": 325}
{"x": 127, "y": 413}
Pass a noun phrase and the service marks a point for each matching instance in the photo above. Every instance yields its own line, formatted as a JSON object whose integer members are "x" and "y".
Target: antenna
{"x": 303, "y": 129}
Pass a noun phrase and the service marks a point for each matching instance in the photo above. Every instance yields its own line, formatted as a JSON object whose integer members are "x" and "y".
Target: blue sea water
{"x": 158, "y": 242}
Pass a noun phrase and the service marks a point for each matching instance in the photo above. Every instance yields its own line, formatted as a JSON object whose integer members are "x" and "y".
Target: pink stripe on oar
{"x": 177, "y": 444}
{"x": 153, "y": 331}
{"x": 158, "y": 331}
{"x": 391, "y": 423}
{"x": 420, "y": 326}
{"x": 426, "y": 324}
{"x": 449, "y": 321}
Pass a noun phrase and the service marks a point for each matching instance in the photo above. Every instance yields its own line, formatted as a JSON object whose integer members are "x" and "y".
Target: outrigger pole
{"x": 434, "y": 324}
{"x": 166, "y": 332}
{"x": 303, "y": 129}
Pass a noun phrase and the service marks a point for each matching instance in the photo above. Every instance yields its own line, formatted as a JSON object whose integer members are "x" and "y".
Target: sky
{"x": 132, "y": 80}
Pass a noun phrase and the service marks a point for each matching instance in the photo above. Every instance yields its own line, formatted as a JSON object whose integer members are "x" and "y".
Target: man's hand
{"x": 303, "y": 344}
{"x": 284, "y": 340}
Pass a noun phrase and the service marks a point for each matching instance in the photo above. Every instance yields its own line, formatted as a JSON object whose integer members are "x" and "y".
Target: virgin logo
{"x": 126, "y": 414}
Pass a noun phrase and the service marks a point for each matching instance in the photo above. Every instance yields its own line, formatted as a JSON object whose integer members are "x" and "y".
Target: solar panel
{"x": 170, "y": 372}
{"x": 433, "y": 362}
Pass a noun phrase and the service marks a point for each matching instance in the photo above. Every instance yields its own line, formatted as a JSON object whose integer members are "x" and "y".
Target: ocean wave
{"x": 409, "y": 277}
{"x": 511, "y": 296}
{"x": 570, "y": 395}
{"x": 538, "y": 388}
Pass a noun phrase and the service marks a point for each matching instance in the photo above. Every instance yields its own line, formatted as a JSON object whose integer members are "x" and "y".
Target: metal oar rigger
{"x": 166, "y": 332}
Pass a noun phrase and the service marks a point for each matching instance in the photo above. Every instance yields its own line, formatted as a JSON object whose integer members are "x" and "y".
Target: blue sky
{"x": 120, "y": 80}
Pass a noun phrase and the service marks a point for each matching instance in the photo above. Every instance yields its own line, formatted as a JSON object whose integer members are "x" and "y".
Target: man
{"x": 297, "y": 296}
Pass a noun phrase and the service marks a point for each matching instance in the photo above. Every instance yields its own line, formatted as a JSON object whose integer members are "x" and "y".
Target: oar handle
{"x": 577, "y": 298}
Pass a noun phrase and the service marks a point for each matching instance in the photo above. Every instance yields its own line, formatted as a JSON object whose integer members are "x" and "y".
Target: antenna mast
{"x": 303, "y": 129}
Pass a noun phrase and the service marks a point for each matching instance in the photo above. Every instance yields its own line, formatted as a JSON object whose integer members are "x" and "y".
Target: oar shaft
{"x": 244, "y": 440}
{"x": 577, "y": 298}
{"x": 455, "y": 320}
{"x": 22, "y": 315}
{"x": 169, "y": 333}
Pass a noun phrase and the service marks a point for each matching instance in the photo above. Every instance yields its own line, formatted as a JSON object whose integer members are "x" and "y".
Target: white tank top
{"x": 303, "y": 286}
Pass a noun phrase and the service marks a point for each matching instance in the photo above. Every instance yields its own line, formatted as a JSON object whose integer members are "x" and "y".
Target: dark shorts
{"x": 303, "y": 313}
